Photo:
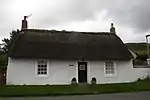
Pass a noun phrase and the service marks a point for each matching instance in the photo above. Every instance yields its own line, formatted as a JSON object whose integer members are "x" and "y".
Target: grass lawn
{"x": 51, "y": 90}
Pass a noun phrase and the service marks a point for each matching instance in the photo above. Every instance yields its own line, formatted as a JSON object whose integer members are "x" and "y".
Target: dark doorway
{"x": 3, "y": 76}
{"x": 82, "y": 72}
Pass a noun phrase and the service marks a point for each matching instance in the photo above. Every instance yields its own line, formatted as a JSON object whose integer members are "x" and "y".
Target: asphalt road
{"x": 118, "y": 96}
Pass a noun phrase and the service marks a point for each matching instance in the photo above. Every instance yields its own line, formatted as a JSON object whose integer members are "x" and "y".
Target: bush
{"x": 93, "y": 81}
{"x": 139, "y": 79}
{"x": 74, "y": 81}
{"x": 146, "y": 79}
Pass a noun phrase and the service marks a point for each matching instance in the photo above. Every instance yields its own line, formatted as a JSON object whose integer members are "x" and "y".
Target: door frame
{"x": 86, "y": 71}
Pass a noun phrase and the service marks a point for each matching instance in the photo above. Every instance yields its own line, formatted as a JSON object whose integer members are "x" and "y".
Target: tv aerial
{"x": 27, "y": 16}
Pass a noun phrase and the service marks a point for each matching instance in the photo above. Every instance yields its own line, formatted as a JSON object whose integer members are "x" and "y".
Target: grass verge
{"x": 55, "y": 90}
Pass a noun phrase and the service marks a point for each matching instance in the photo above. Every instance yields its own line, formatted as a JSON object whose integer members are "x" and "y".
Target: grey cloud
{"x": 132, "y": 13}
{"x": 72, "y": 10}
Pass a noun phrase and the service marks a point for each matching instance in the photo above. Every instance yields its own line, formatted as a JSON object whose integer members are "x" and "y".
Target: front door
{"x": 82, "y": 72}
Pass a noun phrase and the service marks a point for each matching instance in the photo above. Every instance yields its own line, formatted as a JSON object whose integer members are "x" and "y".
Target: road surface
{"x": 117, "y": 96}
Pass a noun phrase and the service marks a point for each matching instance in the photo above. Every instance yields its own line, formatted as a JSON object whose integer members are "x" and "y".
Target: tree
{"x": 8, "y": 41}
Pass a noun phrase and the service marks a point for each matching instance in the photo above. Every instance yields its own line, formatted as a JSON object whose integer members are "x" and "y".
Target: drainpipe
{"x": 148, "y": 60}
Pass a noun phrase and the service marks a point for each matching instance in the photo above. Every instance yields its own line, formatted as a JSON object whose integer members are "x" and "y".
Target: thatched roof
{"x": 65, "y": 45}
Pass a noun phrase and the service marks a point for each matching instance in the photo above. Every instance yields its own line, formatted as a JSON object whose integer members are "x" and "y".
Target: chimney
{"x": 24, "y": 23}
{"x": 112, "y": 29}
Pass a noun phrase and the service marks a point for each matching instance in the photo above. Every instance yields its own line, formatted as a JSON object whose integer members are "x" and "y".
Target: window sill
{"x": 111, "y": 75}
{"x": 42, "y": 76}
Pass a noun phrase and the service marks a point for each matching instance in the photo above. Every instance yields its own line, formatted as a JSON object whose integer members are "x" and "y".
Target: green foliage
{"x": 8, "y": 42}
{"x": 3, "y": 60}
{"x": 139, "y": 48}
{"x": 4, "y": 50}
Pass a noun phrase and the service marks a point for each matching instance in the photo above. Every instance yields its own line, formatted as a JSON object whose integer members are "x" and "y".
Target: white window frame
{"x": 36, "y": 68}
{"x": 115, "y": 69}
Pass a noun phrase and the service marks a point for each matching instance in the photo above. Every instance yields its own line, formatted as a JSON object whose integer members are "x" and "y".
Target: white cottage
{"x": 39, "y": 57}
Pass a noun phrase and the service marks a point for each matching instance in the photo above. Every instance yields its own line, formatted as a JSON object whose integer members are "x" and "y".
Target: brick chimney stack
{"x": 24, "y": 23}
{"x": 112, "y": 29}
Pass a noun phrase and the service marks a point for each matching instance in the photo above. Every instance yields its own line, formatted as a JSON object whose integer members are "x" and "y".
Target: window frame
{"x": 115, "y": 69}
{"x": 36, "y": 68}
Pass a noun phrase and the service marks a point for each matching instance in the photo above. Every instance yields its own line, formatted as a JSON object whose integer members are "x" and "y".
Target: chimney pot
{"x": 112, "y": 29}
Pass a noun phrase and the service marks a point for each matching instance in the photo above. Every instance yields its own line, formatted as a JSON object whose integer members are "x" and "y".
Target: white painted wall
{"x": 21, "y": 71}
{"x": 124, "y": 72}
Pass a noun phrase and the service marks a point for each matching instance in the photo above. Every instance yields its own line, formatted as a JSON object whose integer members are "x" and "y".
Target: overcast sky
{"x": 131, "y": 17}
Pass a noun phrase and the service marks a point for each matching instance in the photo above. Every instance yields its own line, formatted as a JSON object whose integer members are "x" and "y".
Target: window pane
{"x": 109, "y": 68}
{"x": 42, "y": 67}
{"x": 39, "y": 73}
{"x": 39, "y": 70}
{"x": 82, "y": 67}
{"x": 45, "y": 72}
{"x": 112, "y": 71}
{"x": 45, "y": 69}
